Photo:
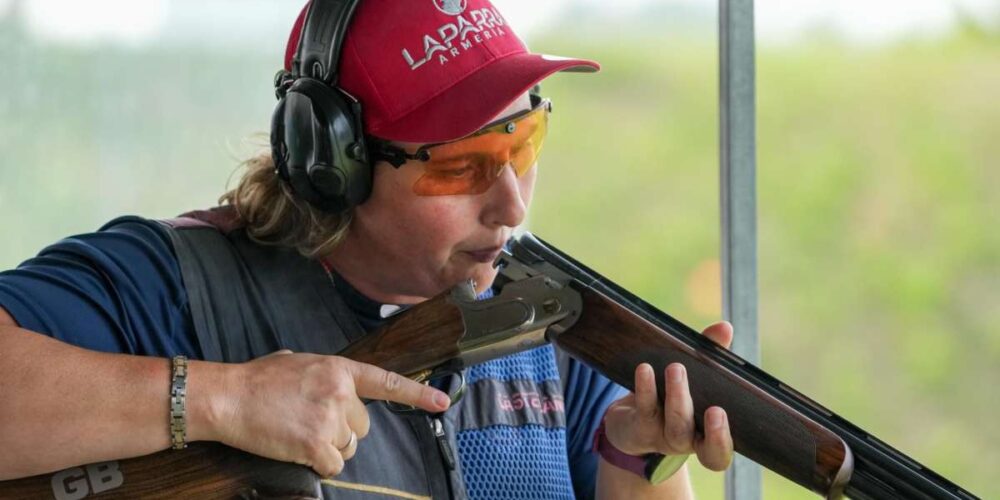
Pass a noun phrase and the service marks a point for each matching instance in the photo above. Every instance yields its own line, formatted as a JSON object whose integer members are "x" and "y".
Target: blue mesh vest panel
{"x": 515, "y": 461}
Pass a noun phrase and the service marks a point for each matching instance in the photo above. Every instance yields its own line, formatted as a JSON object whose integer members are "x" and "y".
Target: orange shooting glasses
{"x": 472, "y": 164}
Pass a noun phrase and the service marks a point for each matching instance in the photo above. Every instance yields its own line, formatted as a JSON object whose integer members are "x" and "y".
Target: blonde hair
{"x": 273, "y": 215}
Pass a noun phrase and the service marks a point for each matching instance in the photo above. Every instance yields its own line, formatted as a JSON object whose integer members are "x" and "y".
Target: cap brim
{"x": 474, "y": 101}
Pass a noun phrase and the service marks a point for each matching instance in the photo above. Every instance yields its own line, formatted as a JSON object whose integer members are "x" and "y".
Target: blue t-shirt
{"x": 120, "y": 290}
{"x": 117, "y": 290}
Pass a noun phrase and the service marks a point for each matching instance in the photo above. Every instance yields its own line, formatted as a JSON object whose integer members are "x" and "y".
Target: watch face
{"x": 659, "y": 468}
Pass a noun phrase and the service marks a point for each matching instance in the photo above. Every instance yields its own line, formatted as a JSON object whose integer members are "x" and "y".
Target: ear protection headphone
{"x": 317, "y": 138}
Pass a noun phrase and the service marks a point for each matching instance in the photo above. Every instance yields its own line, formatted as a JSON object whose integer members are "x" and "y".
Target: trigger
{"x": 457, "y": 395}
{"x": 426, "y": 376}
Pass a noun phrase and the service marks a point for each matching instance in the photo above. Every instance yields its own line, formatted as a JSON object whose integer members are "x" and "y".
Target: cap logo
{"x": 451, "y": 7}
{"x": 453, "y": 39}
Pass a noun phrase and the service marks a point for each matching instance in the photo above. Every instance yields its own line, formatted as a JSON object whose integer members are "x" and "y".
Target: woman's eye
{"x": 453, "y": 170}
{"x": 456, "y": 172}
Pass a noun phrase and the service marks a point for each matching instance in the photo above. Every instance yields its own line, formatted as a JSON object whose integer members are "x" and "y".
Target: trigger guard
{"x": 455, "y": 396}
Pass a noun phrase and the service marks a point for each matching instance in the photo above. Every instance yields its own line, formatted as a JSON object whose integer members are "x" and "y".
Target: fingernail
{"x": 715, "y": 419}
{"x": 442, "y": 400}
{"x": 675, "y": 373}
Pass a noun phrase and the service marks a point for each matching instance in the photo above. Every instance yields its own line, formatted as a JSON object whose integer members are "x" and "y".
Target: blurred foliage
{"x": 879, "y": 270}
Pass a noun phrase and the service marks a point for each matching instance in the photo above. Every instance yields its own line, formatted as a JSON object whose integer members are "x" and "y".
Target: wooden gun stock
{"x": 202, "y": 470}
{"x": 422, "y": 338}
{"x": 763, "y": 429}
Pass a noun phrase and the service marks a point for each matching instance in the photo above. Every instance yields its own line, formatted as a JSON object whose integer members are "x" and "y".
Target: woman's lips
{"x": 485, "y": 255}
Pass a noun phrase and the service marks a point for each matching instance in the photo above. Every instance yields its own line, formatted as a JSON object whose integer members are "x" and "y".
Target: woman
{"x": 297, "y": 262}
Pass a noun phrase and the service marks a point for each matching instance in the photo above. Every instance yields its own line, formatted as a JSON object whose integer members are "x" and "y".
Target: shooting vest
{"x": 248, "y": 300}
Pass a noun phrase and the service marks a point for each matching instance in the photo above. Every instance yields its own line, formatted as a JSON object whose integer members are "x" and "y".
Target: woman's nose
{"x": 505, "y": 205}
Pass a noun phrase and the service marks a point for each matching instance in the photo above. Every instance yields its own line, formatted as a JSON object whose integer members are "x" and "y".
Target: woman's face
{"x": 405, "y": 248}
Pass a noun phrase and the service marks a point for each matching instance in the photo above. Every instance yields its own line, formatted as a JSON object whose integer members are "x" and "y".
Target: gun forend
{"x": 771, "y": 423}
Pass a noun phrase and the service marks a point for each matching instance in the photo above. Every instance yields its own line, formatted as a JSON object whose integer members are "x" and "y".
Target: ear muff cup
{"x": 318, "y": 146}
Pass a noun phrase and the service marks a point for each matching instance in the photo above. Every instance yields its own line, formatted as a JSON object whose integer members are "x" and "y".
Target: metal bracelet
{"x": 178, "y": 413}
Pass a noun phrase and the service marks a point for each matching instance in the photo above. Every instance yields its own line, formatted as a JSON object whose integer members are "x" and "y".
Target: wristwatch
{"x": 655, "y": 467}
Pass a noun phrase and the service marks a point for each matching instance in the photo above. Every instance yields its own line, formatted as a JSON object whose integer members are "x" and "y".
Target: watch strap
{"x": 655, "y": 467}
{"x": 178, "y": 403}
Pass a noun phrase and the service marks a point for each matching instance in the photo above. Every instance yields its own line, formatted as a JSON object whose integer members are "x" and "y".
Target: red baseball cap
{"x": 434, "y": 70}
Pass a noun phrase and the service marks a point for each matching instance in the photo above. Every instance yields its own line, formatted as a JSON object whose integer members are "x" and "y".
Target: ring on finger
{"x": 350, "y": 443}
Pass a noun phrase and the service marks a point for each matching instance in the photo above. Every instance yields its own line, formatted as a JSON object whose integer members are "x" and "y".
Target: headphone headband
{"x": 318, "y": 54}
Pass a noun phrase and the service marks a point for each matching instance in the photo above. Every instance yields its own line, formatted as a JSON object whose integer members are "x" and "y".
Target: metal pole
{"x": 738, "y": 199}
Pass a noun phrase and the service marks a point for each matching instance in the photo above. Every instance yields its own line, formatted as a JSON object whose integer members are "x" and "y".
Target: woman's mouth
{"x": 484, "y": 255}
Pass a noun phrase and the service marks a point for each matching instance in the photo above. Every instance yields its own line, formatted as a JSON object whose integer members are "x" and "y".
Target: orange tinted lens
{"x": 473, "y": 164}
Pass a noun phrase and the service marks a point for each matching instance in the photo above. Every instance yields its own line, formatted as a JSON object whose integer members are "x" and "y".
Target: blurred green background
{"x": 877, "y": 168}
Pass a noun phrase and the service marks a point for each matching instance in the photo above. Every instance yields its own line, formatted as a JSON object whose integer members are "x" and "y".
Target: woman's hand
{"x": 307, "y": 408}
{"x": 637, "y": 424}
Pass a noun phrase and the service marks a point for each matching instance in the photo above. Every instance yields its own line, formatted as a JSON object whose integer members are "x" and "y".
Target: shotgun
{"x": 545, "y": 296}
